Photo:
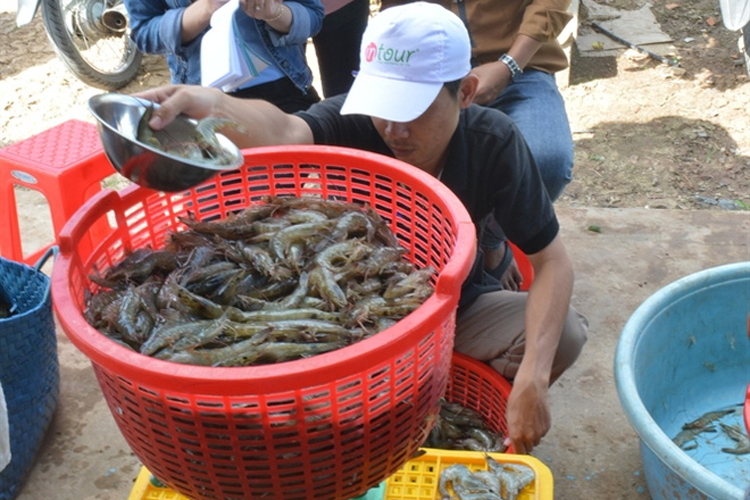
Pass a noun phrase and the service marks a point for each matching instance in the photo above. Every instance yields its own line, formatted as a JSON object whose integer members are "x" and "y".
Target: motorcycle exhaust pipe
{"x": 116, "y": 19}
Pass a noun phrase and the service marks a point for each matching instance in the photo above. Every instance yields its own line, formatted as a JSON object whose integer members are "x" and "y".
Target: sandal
{"x": 500, "y": 269}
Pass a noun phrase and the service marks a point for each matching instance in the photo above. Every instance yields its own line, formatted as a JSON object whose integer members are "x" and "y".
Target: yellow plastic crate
{"x": 417, "y": 480}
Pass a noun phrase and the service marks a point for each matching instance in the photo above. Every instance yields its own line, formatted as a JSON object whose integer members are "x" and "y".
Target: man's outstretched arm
{"x": 528, "y": 412}
{"x": 261, "y": 123}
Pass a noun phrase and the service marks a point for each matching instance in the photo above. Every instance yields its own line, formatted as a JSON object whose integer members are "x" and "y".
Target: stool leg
{"x": 10, "y": 234}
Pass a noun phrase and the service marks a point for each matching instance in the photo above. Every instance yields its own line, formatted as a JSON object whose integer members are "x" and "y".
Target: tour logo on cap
{"x": 388, "y": 55}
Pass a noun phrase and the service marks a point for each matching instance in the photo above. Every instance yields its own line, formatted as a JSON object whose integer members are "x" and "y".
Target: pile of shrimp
{"x": 499, "y": 482}
{"x": 284, "y": 279}
{"x": 461, "y": 428}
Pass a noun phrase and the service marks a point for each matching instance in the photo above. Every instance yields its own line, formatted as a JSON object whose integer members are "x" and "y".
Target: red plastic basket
{"x": 475, "y": 385}
{"x": 326, "y": 427}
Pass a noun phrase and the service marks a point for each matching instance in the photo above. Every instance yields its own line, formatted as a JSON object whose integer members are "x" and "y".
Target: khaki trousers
{"x": 492, "y": 329}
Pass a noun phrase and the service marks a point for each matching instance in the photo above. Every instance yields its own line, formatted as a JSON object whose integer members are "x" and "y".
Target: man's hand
{"x": 528, "y": 413}
{"x": 493, "y": 78}
{"x": 261, "y": 123}
{"x": 191, "y": 100}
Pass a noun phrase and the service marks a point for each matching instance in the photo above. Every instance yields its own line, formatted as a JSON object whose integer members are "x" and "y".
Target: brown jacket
{"x": 494, "y": 24}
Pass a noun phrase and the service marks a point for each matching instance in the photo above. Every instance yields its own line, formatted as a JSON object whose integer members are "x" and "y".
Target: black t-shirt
{"x": 489, "y": 167}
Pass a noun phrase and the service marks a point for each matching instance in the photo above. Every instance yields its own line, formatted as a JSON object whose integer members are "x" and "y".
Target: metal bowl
{"x": 117, "y": 117}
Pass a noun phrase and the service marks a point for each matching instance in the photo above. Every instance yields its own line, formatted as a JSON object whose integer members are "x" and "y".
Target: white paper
{"x": 5, "y": 454}
{"x": 226, "y": 62}
{"x": 250, "y": 65}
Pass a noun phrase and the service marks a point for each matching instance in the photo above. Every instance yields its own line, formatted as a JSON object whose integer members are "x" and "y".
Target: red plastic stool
{"x": 65, "y": 163}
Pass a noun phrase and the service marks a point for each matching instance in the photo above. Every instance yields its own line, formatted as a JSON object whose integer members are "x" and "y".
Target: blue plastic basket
{"x": 29, "y": 368}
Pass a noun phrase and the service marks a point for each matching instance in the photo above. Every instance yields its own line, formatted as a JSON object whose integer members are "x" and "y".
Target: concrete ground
{"x": 591, "y": 450}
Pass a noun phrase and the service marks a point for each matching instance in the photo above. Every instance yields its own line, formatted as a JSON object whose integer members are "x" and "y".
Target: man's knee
{"x": 572, "y": 340}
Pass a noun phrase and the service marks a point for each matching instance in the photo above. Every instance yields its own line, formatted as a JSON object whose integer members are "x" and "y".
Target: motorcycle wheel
{"x": 97, "y": 54}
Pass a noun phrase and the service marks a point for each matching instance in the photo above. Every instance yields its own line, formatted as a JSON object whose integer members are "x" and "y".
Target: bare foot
{"x": 512, "y": 278}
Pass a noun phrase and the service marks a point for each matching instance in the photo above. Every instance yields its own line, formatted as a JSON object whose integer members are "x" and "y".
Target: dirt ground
{"x": 649, "y": 135}
{"x": 646, "y": 136}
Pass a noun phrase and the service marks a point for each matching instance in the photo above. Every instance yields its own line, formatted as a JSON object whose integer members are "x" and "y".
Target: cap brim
{"x": 389, "y": 99}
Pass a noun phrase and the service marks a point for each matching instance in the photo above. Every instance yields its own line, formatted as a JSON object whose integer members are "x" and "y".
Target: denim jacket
{"x": 156, "y": 29}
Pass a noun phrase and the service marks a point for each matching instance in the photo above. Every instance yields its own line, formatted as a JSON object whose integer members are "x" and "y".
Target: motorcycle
{"x": 92, "y": 37}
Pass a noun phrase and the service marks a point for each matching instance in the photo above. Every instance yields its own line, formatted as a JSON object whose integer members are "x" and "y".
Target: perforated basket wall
{"x": 29, "y": 368}
{"x": 327, "y": 427}
{"x": 475, "y": 385}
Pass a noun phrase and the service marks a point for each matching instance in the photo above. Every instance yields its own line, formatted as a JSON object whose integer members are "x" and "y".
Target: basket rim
{"x": 279, "y": 377}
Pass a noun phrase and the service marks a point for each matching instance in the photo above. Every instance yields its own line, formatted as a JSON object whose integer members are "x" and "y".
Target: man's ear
{"x": 468, "y": 90}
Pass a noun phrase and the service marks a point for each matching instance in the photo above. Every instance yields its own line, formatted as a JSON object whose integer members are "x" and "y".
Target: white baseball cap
{"x": 408, "y": 52}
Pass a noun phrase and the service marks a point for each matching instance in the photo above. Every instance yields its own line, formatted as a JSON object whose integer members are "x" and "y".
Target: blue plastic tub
{"x": 682, "y": 353}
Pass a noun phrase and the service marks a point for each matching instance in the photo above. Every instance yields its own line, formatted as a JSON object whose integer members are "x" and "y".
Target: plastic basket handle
{"x": 51, "y": 251}
{"x": 85, "y": 217}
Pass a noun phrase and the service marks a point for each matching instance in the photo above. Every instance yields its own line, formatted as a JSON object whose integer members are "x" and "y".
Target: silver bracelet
{"x": 512, "y": 65}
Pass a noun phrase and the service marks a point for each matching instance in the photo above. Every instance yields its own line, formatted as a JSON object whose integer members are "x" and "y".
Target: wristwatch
{"x": 513, "y": 66}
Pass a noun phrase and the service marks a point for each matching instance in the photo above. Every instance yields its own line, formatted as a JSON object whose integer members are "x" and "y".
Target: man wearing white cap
{"x": 412, "y": 100}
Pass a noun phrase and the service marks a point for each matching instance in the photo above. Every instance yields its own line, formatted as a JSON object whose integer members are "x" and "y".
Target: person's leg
{"x": 337, "y": 46}
{"x": 536, "y": 105}
{"x": 492, "y": 329}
